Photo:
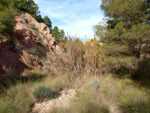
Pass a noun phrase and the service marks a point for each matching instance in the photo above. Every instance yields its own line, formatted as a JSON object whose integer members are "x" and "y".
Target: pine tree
{"x": 7, "y": 22}
{"x": 126, "y": 36}
{"x": 47, "y": 21}
{"x": 59, "y": 34}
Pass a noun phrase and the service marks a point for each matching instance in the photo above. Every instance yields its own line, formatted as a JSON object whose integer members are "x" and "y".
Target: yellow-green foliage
{"x": 58, "y": 82}
{"x": 16, "y": 99}
{"x": 84, "y": 102}
{"x": 94, "y": 94}
{"x": 124, "y": 94}
{"x": 86, "y": 99}
{"x": 134, "y": 100}
{"x": 17, "y": 96}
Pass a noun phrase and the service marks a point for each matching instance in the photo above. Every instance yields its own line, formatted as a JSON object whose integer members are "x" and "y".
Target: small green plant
{"x": 43, "y": 92}
{"x": 95, "y": 84}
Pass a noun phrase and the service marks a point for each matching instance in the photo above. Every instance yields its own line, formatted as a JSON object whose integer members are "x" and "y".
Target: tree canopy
{"x": 9, "y": 8}
{"x": 126, "y": 35}
{"x": 131, "y": 11}
{"x": 59, "y": 34}
{"x": 24, "y": 5}
{"x": 47, "y": 21}
{"x": 6, "y": 17}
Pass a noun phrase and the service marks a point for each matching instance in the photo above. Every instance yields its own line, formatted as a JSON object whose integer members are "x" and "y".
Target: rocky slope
{"x": 29, "y": 44}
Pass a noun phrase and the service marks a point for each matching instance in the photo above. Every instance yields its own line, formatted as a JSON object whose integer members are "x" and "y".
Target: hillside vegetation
{"x": 48, "y": 72}
{"x": 126, "y": 37}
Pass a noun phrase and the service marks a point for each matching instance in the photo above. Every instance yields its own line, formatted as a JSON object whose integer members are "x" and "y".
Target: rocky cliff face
{"x": 30, "y": 43}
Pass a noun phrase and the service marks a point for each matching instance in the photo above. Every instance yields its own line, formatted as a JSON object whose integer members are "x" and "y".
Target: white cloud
{"x": 74, "y": 16}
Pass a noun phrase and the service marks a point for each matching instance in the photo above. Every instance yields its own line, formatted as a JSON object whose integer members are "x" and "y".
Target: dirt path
{"x": 62, "y": 101}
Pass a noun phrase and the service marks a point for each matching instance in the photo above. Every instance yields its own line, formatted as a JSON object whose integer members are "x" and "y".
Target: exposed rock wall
{"x": 9, "y": 57}
{"x": 31, "y": 42}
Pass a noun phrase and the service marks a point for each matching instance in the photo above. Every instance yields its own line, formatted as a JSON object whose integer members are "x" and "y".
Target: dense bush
{"x": 43, "y": 92}
{"x": 95, "y": 84}
{"x": 7, "y": 22}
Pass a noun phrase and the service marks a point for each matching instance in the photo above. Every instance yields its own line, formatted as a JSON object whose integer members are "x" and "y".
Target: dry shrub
{"x": 94, "y": 57}
{"x": 76, "y": 59}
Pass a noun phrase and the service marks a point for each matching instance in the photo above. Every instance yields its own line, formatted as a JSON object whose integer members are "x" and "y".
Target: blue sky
{"x": 74, "y": 16}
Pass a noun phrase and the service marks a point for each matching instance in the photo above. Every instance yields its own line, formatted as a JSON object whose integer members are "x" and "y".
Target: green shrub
{"x": 42, "y": 92}
{"x": 122, "y": 66}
